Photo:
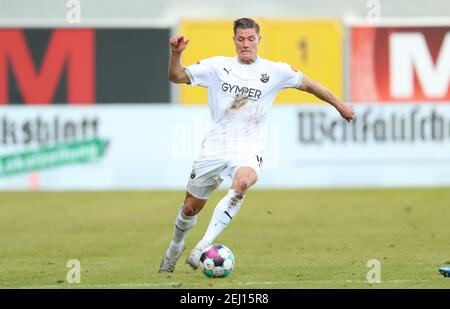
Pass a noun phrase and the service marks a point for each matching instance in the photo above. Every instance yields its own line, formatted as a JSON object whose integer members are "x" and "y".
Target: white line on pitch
{"x": 179, "y": 284}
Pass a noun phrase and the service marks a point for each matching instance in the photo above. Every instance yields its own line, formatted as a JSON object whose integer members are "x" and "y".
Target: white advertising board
{"x": 152, "y": 147}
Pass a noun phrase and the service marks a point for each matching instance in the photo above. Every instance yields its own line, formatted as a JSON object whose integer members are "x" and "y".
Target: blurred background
{"x": 85, "y": 103}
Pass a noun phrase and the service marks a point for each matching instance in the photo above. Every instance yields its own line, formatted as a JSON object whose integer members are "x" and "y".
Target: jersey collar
{"x": 247, "y": 65}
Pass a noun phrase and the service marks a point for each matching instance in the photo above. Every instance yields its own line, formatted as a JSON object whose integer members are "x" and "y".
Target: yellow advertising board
{"x": 314, "y": 47}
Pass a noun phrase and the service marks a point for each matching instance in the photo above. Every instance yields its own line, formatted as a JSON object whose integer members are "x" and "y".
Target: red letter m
{"x": 74, "y": 48}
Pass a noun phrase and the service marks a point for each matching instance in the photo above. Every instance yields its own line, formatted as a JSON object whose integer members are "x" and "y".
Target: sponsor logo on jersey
{"x": 193, "y": 174}
{"x": 228, "y": 71}
{"x": 243, "y": 91}
{"x": 264, "y": 77}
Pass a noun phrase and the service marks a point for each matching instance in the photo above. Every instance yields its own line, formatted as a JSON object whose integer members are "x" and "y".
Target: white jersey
{"x": 239, "y": 97}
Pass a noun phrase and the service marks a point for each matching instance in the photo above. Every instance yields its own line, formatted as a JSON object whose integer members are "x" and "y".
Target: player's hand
{"x": 346, "y": 111}
{"x": 178, "y": 44}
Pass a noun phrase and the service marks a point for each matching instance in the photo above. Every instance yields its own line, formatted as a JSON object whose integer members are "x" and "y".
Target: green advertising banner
{"x": 49, "y": 157}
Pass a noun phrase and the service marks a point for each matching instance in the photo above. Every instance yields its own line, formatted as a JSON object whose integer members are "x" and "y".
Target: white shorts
{"x": 208, "y": 174}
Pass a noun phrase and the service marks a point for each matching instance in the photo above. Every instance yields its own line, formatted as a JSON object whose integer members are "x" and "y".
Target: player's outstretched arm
{"x": 177, "y": 74}
{"x": 320, "y": 91}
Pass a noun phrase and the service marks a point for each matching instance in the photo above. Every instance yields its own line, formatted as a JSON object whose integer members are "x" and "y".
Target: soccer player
{"x": 240, "y": 92}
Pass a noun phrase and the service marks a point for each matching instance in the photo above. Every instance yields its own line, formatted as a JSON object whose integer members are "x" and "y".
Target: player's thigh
{"x": 245, "y": 171}
{"x": 204, "y": 179}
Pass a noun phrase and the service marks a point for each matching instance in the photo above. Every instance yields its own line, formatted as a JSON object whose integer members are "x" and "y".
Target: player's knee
{"x": 189, "y": 210}
{"x": 242, "y": 185}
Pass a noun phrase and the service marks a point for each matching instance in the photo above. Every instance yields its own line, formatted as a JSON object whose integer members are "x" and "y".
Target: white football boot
{"x": 194, "y": 257}
{"x": 169, "y": 260}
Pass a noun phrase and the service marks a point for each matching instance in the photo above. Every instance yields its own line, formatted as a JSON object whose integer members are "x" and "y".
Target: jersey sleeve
{"x": 201, "y": 73}
{"x": 289, "y": 77}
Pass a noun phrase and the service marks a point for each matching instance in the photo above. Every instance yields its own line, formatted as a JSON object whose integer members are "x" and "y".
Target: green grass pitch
{"x": 280, "y": 238}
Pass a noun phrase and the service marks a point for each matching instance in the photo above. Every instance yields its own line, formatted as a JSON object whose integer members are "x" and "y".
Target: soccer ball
{"x": 217, "y": 261}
